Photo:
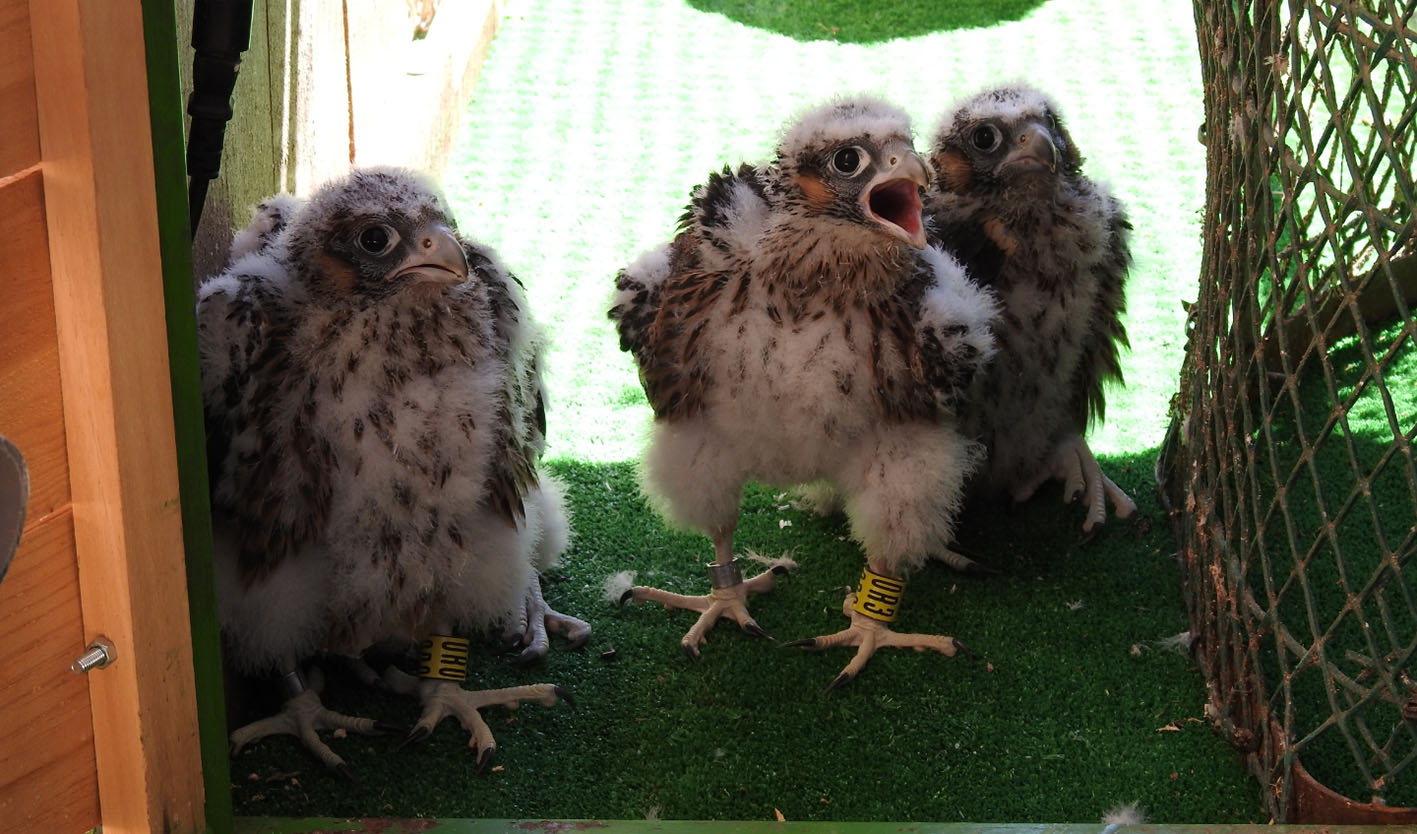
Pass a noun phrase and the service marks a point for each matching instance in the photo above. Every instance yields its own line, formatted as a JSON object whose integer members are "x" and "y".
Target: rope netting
{"x": 1289, "y": 466}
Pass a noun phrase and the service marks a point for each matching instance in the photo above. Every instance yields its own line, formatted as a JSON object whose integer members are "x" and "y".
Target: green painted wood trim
{"x": 329, "y": 825}
{"x": 169, "y": 166}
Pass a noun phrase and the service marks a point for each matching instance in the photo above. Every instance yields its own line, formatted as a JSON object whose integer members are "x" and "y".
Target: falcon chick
{"x": 1010, "y": 201}
{"x": 375, "y": 417}
{"x": 798, "y": 329}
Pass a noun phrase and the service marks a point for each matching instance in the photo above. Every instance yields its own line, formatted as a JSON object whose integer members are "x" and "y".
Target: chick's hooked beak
{"x": 1034, "y": 151}
{"x": 892, "y": 198}
{"x": 437, "y": 257}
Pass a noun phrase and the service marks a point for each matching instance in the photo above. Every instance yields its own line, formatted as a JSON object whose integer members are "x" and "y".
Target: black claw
{"x": 979, "y": 570}
{"x": 962, "y": 648}
{"x": 779, "y": 570}
{"x": 809, "y": 643}
{"x": 1089, "y": 536}
{"x": 484, "y": 757}
{"x": 565, "y": 695}
{"x": 841, "y": 680}
{"x": 975, "y": 567}
{"x": 344, "y": 772}
{"x": 609, "y": 654}
{"x": 578, "y": 643}
{"x": 755, "y": 629}
{"x": 418, "y": 735}
{"x": 1077, "y": 494}
{"x": 385, "y": 728}
{"x": 233, "y": 749}
{"x": 690, "y": 652}
{"x": 530, "y": 655}
{"x": 626, "y": 597}
{"x": 510, "y": 643}
{"x": 1139, "y": 525}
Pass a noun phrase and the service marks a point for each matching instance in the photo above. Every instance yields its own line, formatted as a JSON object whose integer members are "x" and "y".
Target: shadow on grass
{"x": 851, "y": 21}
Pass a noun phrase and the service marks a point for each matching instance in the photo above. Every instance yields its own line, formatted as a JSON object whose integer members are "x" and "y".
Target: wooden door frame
{"x": 107, "y": 252}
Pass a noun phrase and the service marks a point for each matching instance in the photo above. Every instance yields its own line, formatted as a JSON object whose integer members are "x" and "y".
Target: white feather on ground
{"x": 1128, "y": 814}
{"x": 616, "y": 584}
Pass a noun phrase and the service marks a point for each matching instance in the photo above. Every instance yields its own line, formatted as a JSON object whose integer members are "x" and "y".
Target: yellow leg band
{"x": 444, "y": 658}
{"x": 878, "y": 597}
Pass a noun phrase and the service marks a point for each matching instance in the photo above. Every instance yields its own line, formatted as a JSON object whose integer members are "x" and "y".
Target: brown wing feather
{"x": 673, "y": 368}
{"x": 1101, "y": 363}
{"x": 520, "y": 422}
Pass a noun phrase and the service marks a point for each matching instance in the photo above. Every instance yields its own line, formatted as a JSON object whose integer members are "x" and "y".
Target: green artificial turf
{"x": 852, "y": 21}
{"x": 590, "y": 124}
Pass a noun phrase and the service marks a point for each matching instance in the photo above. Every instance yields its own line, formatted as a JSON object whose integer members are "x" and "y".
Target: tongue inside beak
{"x": 895, "y": 204}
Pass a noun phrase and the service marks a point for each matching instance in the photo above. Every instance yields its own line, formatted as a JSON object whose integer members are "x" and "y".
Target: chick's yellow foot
{"x": 869, "y": 635}
{"x": 442, "y": 698}
{"x": 720, "y": 603}
{"x": 303, "y": 716}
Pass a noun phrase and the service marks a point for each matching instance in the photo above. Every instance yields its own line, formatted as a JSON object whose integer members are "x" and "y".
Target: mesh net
{"x": 1289, "y": 466}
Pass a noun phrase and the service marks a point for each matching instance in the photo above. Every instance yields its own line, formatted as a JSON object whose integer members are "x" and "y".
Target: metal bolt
{"x": 99, "y": 654}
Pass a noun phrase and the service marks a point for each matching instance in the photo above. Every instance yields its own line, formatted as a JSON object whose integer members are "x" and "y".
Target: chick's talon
{"x": 868, "y": 635}
{"x": 303, "y": 716}
{"x": 729, "y": 602}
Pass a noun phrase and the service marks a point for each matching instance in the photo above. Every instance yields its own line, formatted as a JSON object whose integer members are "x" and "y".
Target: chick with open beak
{"x": 799, "y": 330}
{"x": 892, "y": 197}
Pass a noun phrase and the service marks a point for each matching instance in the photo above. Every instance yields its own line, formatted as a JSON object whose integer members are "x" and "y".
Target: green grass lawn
{"x": 590, "y": 124}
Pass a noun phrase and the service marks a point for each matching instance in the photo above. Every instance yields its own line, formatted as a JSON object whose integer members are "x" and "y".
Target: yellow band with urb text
{"x": 878, "y": 597}
{"x": 444, "y": 658}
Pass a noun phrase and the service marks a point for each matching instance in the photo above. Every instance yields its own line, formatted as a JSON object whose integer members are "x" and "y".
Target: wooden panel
{"x": 19, "y": 140}
{"x": 255, "y": 159}
{"x": 31, "y": 408}
{"x": 425, "y": 82}
{"x": 47, "y": 780}
{"x": 100, "y": 201}
{"x": 322, "y": 130}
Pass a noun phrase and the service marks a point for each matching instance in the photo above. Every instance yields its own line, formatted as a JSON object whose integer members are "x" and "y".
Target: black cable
{"x": 221, "y": 31}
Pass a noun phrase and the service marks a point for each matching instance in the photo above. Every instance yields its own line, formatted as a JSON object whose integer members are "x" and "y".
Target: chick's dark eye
{"x": 848, "y": 160}
{"x": 377, "y": 239}
{"x": 985, "y": 138}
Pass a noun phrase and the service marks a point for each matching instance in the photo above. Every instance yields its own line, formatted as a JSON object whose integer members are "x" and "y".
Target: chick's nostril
{"x": 428, "y": 243}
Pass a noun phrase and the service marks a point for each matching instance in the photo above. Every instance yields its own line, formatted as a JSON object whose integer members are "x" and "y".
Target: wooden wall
{"x": 47, "y": 750}
{"x": 84, "y": 394}
{"x": 330, "y": 83}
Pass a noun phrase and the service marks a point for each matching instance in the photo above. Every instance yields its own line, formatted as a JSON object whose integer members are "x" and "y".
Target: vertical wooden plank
{"x": 255, "y": 156}
{"x": 19, "y": 140}
{"x": 96, "y": 147}
{"x": 31, "y": 404}
{"x": 165, "y": 102}
{"x": 420, "y": 86}
{"x": 47, "y": 780}
{"x": 322, "y": 142}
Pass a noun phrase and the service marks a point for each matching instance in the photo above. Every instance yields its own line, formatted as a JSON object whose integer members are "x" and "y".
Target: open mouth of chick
{"x": 897, "y": 203}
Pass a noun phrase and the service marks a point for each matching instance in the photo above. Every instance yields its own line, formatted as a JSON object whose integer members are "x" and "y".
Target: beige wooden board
{"x": 47, "y": 772}
{"x": 31, "y": 404}
{"x": 100, "y": 201}
{"x": 409, "y": 94}
{"x": 19, "y": 138}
